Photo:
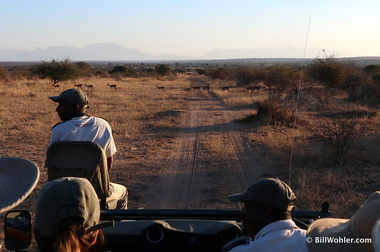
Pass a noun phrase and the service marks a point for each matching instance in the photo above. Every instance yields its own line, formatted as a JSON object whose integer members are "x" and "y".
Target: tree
{"x": 328, "y": 71}
{"x": 162, "y": 69}
{"x": 56, "y": 70}
{"x": 119, "y": 69}
{"x": 84, "y": 68}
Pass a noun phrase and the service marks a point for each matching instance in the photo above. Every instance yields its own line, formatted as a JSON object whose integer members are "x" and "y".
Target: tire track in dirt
{"x": 247, "y": 165}
{"x": 184, "y": 177}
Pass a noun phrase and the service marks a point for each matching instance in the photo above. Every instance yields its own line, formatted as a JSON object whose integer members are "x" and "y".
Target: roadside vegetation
{"x": 316, "y": 124}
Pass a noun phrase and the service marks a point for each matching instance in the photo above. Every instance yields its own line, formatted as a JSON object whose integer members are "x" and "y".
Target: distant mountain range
{"x": 108, "y": 51}
{"x": 115, "y": 52}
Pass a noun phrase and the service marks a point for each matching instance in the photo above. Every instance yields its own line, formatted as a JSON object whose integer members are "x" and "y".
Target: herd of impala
{"x": 250, "y": 89}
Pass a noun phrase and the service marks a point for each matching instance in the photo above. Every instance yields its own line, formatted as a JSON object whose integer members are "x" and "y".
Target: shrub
{"x": 273, "y": 113}
{"x": 342, "y": 134}
{"x": 376, "y": 78}
{"x": 328, "y": 71}
{"x": 4, "y": 75}
{"x": 84, "y": 68}
{"x": 200, "y": 71}
{"x": 162, "y": 69}
{"x": 280, "y": 78}
{"x": 245, "y": 76}
{"x": 219, "y": 73}
{"x": 367, "y": 95}
{"x": 372, "y": 69}
{"x": 296, "y": 99}
{"x": 119, "y": 69}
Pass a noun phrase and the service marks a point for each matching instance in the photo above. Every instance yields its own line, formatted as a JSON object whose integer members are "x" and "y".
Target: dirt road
{"x": 194, "y": 177}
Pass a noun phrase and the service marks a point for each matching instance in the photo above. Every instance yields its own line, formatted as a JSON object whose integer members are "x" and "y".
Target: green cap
{"x": 73, "y": 96}
{"x": 63, "y": 198}
{"x": 270, "y": 191}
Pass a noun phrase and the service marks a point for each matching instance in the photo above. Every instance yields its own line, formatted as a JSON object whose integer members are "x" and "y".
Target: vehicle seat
{"x": 80, "y": 159}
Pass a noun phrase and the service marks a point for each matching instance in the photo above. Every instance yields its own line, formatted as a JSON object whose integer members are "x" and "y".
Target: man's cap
{"x": 360, "y": 225}
{"x": 18, "y": 177}
{"x": 63, "y": 198}
{"x": 73, "y": 96}
{"x": 269, "y": 191}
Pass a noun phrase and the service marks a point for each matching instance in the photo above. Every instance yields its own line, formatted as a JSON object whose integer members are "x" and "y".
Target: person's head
{"x": 71, "y": 103}
{"x": 265, "y": 201}
{"x": 67, "y": 216}
{"x": 361, "y": 226}
{"x": 18, "y": 178}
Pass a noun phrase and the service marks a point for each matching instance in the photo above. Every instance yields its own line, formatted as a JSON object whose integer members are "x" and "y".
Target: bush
{"x": 296, "y": 99}
{"x": 119, "y": 69}
{"x": 4, "y": 74}
{"x": 367, "y": 95}
{"x": 273, "y": 113}
{"x": 245, "y": 76}
{"x": 200, "y": 71}
{"x": 341, "y": 134}
{"x": 162, "y": 69}
{"x": 219, "y": 73}
{"x": 376, "y": 78}
{"x": 372, "y": 69}
{"x": 84, "y": 68}
{"x": 279, "y": 79}
{"x": 328, "y": 71}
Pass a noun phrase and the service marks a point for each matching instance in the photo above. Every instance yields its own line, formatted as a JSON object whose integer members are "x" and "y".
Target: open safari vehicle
{"x": 158, "y": 230}
{"x": 139, "y": 229}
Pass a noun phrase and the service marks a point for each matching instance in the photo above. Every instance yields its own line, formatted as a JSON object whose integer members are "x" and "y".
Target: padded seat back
{"x": 79, "y": 159}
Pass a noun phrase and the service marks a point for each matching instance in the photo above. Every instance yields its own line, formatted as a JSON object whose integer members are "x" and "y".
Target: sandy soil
{"x": 191, "y": 176}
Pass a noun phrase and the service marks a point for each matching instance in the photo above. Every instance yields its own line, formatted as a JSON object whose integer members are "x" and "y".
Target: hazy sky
{"x": 195, "y": 27}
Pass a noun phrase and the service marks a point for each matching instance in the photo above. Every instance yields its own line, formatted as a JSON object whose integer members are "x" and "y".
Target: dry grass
{"x": 314, "y": 173}
{"x": 136, "y": 111}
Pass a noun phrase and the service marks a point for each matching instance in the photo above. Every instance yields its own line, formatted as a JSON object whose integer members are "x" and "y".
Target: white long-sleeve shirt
{"x": 279, "y": 236}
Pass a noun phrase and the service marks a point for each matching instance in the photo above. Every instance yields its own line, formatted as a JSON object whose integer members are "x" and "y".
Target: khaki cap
{"x": 63, "y": 198}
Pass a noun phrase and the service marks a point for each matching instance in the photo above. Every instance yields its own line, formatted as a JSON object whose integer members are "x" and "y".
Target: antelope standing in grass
{"x": 56, "y": 86}
{"x": 160, "y": 88}
{"x": 206, "y": 89}
{"x": 79, "y": 86}
{"x": 112, "y": 86}
{"x": 225, "y": 89}
{"x": 253, "y": 89}
{"x": 90, "y": 87}
{"x": 196, "y": 88}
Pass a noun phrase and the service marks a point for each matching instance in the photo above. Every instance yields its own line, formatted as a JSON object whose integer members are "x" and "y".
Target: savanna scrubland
{"x": 315, "y": 126}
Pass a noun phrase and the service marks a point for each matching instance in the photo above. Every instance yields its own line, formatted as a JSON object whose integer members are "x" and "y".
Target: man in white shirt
{"x": 267, "y": 220}
{"x": 76, "y": 125}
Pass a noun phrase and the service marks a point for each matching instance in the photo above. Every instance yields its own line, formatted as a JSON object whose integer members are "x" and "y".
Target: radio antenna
{"x": 297, "y": 104}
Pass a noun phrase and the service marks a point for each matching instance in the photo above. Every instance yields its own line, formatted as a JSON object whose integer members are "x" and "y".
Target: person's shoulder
{"x": 100, "y": 120}
{"x": 56, "y": 125}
